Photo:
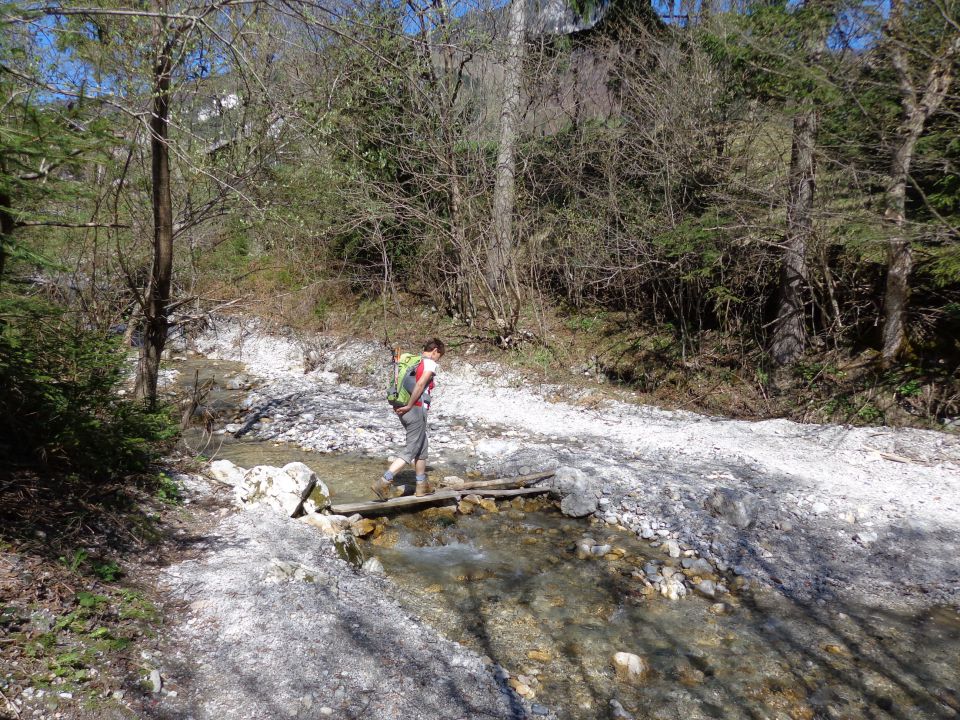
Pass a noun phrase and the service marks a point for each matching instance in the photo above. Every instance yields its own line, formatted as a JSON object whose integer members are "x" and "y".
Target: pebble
{"x": 673, "y": 548}
{"x": 538, "y": 709}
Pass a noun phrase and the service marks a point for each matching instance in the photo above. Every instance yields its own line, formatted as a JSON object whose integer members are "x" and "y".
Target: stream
{"x": 516, "y": 586}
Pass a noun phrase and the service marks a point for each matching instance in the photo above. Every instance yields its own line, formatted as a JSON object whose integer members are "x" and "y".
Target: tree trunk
{"x": 501, "y": 251}
{"x": 6, "y": 229}
{"x": 899, "y": 256}
{"x": 917, "y": 109}
{"x": 790, "y": 330}
{"x": 158, "y": 290}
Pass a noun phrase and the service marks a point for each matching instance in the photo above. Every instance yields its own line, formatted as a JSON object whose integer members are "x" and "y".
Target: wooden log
{"x": 380, "y": 507}
{"x": 518, "y": 481}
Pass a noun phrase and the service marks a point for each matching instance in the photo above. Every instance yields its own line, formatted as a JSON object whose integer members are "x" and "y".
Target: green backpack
{"x": 403, "y": 379}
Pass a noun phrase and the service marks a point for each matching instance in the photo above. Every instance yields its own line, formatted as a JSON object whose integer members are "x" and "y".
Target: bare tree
{"x": 502, "y": 288}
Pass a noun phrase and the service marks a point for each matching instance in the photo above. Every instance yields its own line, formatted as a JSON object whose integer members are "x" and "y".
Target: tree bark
{"x": 6, "y": 229}
{"x": 917, "y": 106}
{"x": 158, "y": 290}
{"x": 790, "y": 330}
{"x": 501, "y": 250}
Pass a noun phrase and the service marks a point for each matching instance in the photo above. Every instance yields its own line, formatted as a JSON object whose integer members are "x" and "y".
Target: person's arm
{"x": 417, "y": 392}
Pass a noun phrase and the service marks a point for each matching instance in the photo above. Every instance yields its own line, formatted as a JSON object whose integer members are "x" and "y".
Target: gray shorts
{"x": 414, "y": 421}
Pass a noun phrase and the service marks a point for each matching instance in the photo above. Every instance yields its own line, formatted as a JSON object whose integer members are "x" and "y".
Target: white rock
{"x": 630, "y": 668}
{"x": 224, "y": 471}
{"x": 373, "y": 565}
{"x": 329, "y": 525}
{"x": 673, "y": 548}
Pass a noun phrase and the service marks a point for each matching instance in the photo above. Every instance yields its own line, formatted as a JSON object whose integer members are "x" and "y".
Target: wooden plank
{"x": 380, "y": 507}
{"x": 518, "y": 481}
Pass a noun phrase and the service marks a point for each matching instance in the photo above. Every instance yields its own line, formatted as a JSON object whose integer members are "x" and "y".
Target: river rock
{"x": 737, "y": 507}
{"x": 673, "y": 588}
{"x": 630, "y": 668}
{"x": 328, "y": 525}
{"x": 488, "y": 504}
{"x": 569, "y": 480}
{"x": 618, "y": 712}
{"x": 224, "y": 471}
{"x": 697, "y": 566}
{"x": 292, "y": 489}
{"x": 315, "y": 494}
{"x": 347, "y": 548}
{"x": 673, "y": 548}
{"x": 866, "y": 538}
{"x": 363, "y": 527}
{"x": 373, "y": 565}
{"x": 539, "y": 656}
{"x": 522, "y": 689}
{"x": 707, "y": 588}
{"x": 579, "y": 504}
{"x": 584, "y": 547}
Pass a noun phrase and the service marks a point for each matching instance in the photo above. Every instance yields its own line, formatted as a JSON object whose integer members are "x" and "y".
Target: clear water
{"x": 509, "y": 584}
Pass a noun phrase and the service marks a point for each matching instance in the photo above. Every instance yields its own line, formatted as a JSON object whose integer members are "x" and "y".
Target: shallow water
{"x": 510, "y": 585}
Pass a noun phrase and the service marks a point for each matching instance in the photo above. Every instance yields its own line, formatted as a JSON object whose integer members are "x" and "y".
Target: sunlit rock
{"x": 630, "y": 668}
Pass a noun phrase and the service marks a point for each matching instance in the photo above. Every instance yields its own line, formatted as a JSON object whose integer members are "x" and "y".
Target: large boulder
{"x": 737, "y": 507}
{"x": 293, "y": 489}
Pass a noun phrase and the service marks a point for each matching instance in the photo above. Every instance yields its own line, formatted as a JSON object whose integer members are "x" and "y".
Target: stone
{"x": 568, "y": 480}
{"x": 866, "y": 537}
{"x": 600, "y": 550}
{"x": 224, "y": 471}
{"x": 156, "y": 682}
{"x": 738, "y": 508}
{"x": 618, "y": 712}
{"x": 673, "y": 588}
{"x": 329, "y": 525}
{"x": 578, "y": 505}
{"x": 539, "y": 656}
{"x": 584, "y": 548}
{"x": 363, "y": 527}
{"x": 707, "y": 588}
{"x": 673, "y": 548}
{"x": 630, "y": 668}
{"x": 373, "y": 565}
{"x": 720, "y": 608}
{"x": 522, "y": 689}
{"x": 538, "y": 709}
{"x": 488, "y": 504}
{"x": 819, "y": 508}
{"x": 348, "y": 550}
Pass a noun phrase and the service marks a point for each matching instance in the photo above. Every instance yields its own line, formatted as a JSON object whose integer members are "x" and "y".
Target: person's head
{"x": 434, "y": 348}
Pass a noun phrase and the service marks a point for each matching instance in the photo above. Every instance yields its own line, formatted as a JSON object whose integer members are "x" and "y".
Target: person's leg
{"x": 412, "y": 422}
{"x": 423, "y": 486}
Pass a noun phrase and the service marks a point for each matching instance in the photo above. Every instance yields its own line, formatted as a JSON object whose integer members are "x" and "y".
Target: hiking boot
{"x": 385, "y": 490}
{"x": 423, "y": 488}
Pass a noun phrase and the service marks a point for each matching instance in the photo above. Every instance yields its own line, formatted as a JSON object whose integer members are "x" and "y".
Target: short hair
{"x": 435, "y": 344}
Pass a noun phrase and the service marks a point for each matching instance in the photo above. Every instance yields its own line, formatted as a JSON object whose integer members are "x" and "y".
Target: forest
{"x": 748, "y": 209}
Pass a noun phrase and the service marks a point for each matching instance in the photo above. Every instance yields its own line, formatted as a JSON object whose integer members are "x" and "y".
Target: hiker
{"x": 413, "y": 417}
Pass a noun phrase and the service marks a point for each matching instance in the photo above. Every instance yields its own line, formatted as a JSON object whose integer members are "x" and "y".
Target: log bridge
{"x": 499, "y": 488}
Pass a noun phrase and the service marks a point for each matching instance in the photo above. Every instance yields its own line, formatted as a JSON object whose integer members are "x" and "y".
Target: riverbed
{"x": 511, "y": 585}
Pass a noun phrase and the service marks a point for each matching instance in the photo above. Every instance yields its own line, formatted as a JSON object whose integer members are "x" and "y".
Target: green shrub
{"x": 58, "y": 399}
